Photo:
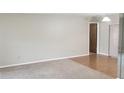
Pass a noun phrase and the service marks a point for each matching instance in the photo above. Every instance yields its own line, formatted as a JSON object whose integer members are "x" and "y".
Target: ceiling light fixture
{"x": 106, "y": 19}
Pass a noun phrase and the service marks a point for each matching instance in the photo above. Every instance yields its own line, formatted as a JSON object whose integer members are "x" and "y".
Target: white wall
{"x": 114, "y": 38}
{"x": 32, "y": 37}
{"x": 104, "y": 36}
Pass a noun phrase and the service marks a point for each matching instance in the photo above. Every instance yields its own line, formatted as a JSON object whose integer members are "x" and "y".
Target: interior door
{"x": 93, "y": 38}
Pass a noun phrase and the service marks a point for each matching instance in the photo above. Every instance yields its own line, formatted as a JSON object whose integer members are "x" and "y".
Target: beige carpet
{"x": 62, "y": 69}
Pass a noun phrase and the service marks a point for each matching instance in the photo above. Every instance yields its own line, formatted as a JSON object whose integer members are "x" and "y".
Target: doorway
{"x": 93, "y": 37}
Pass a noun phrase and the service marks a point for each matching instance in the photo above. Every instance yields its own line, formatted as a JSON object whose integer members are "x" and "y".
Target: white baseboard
{"x": 44, "y": 60}
{"x": 108, "y": 55}
{"x": 103, "y": 54}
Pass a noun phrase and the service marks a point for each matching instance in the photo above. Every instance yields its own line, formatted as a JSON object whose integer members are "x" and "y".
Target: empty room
{"x": 59, "y": 45}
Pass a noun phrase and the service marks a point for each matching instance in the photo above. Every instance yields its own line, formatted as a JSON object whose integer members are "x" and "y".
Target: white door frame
{"x": 98, "y": 46}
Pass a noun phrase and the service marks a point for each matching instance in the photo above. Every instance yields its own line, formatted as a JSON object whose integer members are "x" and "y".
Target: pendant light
{"x": 106, "y": 19}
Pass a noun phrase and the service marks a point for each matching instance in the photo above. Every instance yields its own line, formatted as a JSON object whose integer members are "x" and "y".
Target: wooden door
{"x": 93, "y": 38}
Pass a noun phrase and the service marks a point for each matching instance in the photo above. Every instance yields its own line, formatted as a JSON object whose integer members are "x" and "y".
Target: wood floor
{"x": 56, "y": 69}
{"x": 105, "y": 64}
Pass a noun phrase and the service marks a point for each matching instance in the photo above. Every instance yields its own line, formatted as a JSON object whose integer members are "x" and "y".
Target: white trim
{"x": 44, "y": 60}
{"x": 103, "y": 54}
{"x": 98, "y": 36}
